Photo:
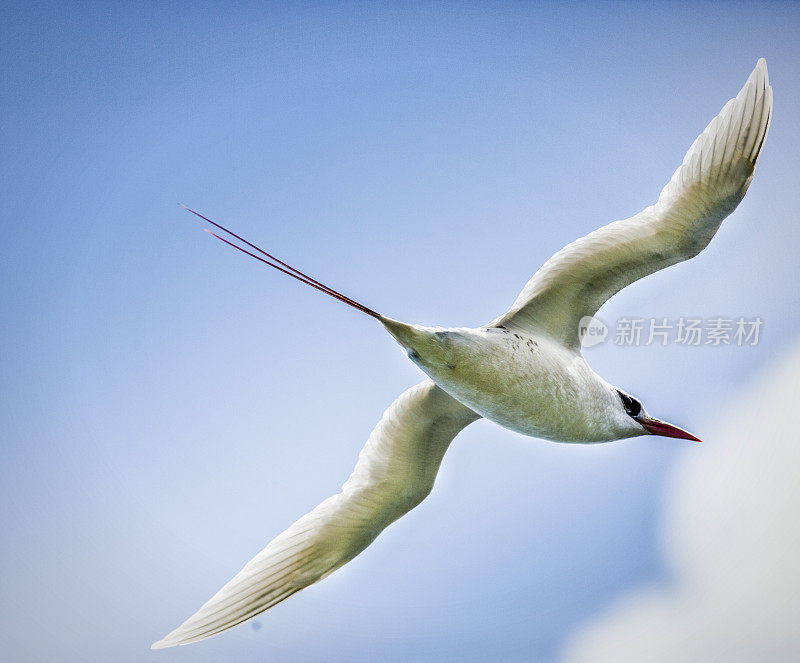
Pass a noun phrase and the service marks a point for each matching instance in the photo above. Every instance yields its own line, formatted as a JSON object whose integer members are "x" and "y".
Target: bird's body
{"x": 524, "y": 370}
{"x": 522, "y": 381}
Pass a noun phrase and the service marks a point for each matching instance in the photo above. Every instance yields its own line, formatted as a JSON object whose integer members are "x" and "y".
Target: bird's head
{"x": 634, "y": 418}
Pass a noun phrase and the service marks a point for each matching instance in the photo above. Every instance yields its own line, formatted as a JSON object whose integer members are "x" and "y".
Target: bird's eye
{"x": 632, "y": 406}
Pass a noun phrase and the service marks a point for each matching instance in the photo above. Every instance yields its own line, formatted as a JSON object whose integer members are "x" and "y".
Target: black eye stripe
{"x": 632, "y": 406}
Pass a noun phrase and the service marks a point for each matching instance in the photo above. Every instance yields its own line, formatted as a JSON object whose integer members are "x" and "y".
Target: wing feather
{"x": 395, "y": 472}
{"x": 706, "y": 188}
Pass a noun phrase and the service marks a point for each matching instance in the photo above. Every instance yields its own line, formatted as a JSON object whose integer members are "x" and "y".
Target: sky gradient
{"x": 170, "y": 405}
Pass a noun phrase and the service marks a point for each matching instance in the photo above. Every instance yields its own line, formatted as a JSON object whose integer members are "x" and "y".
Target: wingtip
{"x": 169, "y": 640}
{"x": 758, "y": 74}
{"x": 761, "y": 71}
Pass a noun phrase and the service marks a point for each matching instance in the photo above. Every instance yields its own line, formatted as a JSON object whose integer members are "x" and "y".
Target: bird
{"x": 524, "y": 370}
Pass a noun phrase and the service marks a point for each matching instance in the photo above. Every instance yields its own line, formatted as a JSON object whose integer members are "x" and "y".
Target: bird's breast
{"x": 529, "y": 384}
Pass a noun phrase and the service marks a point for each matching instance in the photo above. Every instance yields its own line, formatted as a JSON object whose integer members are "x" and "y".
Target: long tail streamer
{"x": 281, "y": 266}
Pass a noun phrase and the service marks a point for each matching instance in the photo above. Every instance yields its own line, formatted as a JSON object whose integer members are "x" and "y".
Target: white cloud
{"x": 731, "y": 538}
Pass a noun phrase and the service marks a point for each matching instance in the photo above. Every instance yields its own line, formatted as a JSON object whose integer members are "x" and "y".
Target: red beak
{"x": 658, "y": 427}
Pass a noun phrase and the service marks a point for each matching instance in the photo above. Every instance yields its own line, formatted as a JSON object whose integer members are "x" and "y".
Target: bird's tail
{"x": 281, "y": 266}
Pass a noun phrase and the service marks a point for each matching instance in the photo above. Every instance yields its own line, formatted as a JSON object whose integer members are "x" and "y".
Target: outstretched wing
{"x": 395, "y": 472}
{"x": 708, "y": 186}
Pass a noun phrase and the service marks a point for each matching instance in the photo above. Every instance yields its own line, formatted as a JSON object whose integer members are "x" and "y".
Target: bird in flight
{"x": 524, "y": 370}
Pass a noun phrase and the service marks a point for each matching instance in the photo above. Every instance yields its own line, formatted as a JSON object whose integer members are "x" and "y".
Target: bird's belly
{"x": 523, "y": 383}
{"x": 520, "y": 407}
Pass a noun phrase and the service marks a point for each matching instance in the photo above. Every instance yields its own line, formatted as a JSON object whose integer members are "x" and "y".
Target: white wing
{"x": 395, "y": 472}
{"x": 707, "y": 187}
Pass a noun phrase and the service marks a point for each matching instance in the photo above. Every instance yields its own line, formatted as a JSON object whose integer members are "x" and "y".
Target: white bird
{"x": 523, "y": 371}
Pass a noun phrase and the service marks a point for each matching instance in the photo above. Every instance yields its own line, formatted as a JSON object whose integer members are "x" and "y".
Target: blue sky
{"x": 170, "y": 405}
